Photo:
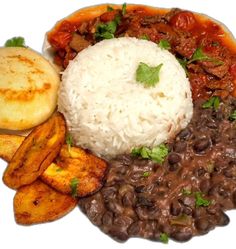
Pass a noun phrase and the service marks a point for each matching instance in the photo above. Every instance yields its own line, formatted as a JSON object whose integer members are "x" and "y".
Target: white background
{"x": 31, "y": 19}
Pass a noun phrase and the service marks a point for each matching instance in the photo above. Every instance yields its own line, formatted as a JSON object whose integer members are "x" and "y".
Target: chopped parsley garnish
{"x": 109, "y": 8}
{"x": 124, "y": 9}
{"x": 144, "y": 37}
{"x": 199, "y": 55}
{"x": 213, "y": 102}
{"x": 200, "y": 201}
{"x": 73, "y": 186}
{"x": 232, "y": 116}
{"x": 69, "y": 141}
{"x": 147, "y": 75}
{"x": 15, "y": 42}
{"x": 164, "y": 44}
{"x": 164, "y": 238}
{"x": 107, "y": 30}
{"x": 157, "y": 154}
{"x": 146, "y": 174}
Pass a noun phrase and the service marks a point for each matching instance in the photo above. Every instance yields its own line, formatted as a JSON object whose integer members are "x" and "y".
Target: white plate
{"x": 31, "y": 19}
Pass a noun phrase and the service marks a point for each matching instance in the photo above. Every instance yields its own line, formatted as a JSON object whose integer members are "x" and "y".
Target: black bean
{"x": 123, "y": 221}
{"x": 114, "y": 207}
{"x": 228, "y": 172}
{"x": 180, "y": 146}
{"x": 200, "y": 171}
{"x": 144, "y": 202}
{"x": 175, "y": 208}
{"x": 187, "y": 210}
{"x": 205, "y": 186}
{"x": 234, "y": 197}
{"x": 223, "y": 219}
{"x": 201, "y": 144}
{"x": 202, "y": 224}
{"x": 182, "y": 236}
{"x": 109, "y": 193}
{"x": 126, "y": 159}
{"x": 212, "y": 124}
{"x": 212, "y": 209}
{"x": 218, "y": 115}
{"x": 128, "y": 199}
{"x": 107, "y": 218}
{"x": 134, "y": 229}
{"x": 215, "y": 138}
{"x": 174, "y": 158}
{"x": 198, "y": 212}
{"x": 118, "y": 235}
{"x": 173, "y": 167}
{"x": 184, "y": 134}
{"x": 140, "y": 189}
{"x": 223, "y": 192}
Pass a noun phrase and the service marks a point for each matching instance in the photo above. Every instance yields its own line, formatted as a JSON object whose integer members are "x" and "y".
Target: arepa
{"x": 28, "y": 88}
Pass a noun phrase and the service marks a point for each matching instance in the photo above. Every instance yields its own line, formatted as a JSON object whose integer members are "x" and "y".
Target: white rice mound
{"x": 109, "y": 112}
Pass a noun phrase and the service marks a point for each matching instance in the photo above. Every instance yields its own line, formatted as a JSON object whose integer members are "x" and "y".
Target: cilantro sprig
{"x": 232, "y": 116}
{"x": 164, "y": 238}
{"x": 144, "y": 37}
{"x": 164, "y": 44}
{"x": 106, "y": 30}
{"x": 213, "y": 102}
{"x": 15, "y": 42}
{"x": 199, "y": 55}
{"x": 123, "y": 10}
{"x": 73, "y": 186}
{"x": 149, "y": 76}
{"x": 200, "y": 201}
{"x": 69, "y": 141}
{"x": 156, "y": 154}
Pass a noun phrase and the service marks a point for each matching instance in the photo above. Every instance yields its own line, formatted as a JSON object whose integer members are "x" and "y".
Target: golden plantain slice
{"x": 36, "y": 152}
{"x": 9, "y": 145}
{"x": 38, "y": 203}
{"x": 77, "y": 172}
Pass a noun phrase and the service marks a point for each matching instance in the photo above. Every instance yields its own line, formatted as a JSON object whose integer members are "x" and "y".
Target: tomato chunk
{"x": 183, "y": 20}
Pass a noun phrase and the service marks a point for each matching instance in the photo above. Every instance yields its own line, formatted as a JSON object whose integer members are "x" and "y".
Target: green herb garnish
{"x": 15, "y": 42}
{"x": 232, "y": 116}
{"x": 124, "y": 9}
{"x": 69, "y": 141}
{"x": 146, "y": 174}
{"x": 186, "y": 191}
{"x": 109, "y": 8}
{"x": 73, "y": 186}
{"x": 200, "y": 201}
{"x": 157, "y": 154}
{"x": 164, "y": 44}
{"x": 199, "y": 55}
{"x": 107, "y": 30}
{"x": 164, "y": 238}
{"x": 144, "y": 37}
{"x": 183, "y": 63}
{"x": 147, "y": 75}
{"x": 213, "y": 102}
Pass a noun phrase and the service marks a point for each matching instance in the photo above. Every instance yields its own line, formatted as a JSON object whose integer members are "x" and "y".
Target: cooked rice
{"x": 108, "y": 112}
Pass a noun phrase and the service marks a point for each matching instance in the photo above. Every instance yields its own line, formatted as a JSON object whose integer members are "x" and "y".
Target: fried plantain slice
{"x": 76, "y": 172}
{"x": 9, "y": 145}
{"x": 36, "y": 152}
{"x": 38, "y": 203}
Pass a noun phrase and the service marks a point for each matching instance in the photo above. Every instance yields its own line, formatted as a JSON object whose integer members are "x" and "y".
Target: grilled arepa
{"x": 28, "y": 88}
